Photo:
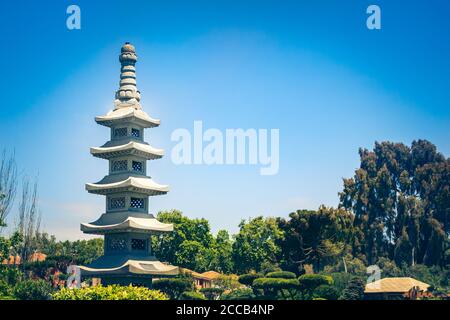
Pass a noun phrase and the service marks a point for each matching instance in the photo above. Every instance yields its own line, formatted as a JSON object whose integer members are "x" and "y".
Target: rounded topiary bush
{"x": 274, "y": 288}
{"x": 312, "y": 281}
{"x": 248, "y": 278}
{"x": 173, "y": 287}
{"x": 281, "y": 274}
{"x": 113, "y": 292}
{"x": 275, "y": 283}
{"x": 326, "y": 292}
{"x": 192, "y": 295}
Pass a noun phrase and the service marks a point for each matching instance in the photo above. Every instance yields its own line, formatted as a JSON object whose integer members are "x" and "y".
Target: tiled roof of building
{"x": 400, "y": 285}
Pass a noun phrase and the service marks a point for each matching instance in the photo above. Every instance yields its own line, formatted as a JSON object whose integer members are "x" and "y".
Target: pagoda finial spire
{"x": 128, "y": 94}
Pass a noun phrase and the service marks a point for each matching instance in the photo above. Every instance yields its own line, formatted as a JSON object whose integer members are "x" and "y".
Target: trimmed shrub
{"x": 239, "y": 294}
{"x": 192, "y": 295}
{"x": 281, "y": 274}
{"x": 248, "y": 278}
{"x": 212, "y": 293}
{"x": 33, "y": 290}
{"x": 325, "y": 292}
{"x": 308, "y": 282}
{"x": 173, "y": 287}
{"x": 113, "y": 292}
{"x": 274, "y": 286}
{"x": 276, "y": 283}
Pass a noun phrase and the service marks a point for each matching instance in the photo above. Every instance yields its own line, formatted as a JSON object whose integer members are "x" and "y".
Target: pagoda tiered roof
{"x": 149, "y": 224}
{"x": 126, "y": 113}
{"x": 126, "y": 225}
{"x": 130, "y": 148}
{"x": 144, "y": 185}
{"x": 133, "y": 265}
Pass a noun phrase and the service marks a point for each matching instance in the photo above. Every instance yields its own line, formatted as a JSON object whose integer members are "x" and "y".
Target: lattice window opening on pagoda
{"x": 137, "y": 203}
{"x": 120, "y": 165}
{"x": 136, "y": 133}
{"x": 138, "y": 244}
{"x": 117, "y": 203}
{"x": 138, "y": 166}
{"x": 117, "y": 244}
{"x": 120, "y": 132}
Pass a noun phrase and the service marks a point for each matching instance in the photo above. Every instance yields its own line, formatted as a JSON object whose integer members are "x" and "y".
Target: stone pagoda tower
{"x": 127, "y": 224}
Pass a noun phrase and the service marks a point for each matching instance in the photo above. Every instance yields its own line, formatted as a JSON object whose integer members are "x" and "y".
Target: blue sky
{"x": 309, "y": 68}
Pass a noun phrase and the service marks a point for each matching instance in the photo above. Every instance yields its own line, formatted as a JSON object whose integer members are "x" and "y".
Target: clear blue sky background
{"x": 310, "y": 68}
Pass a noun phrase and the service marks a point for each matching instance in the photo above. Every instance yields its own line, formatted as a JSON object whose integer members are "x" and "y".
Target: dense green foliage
{"x": 326, "y": 292}
{"x": 281, "y": 274}
{"x": 273, "y": 287}
{"x": 248, "y": 278}
{"x": 256, "y": 244}
{"x": 212, "y": 293}
{"x": 173, "y": 287}
{"x": 354, "y": 290}
{"x": 192, "y": 295}
{"x": 80, "y": 251}
{"x": 9, "y": 278}
{"x": 238, "y": 294}
{"x": 33, "y": 290}
{"x": 400, "y": 197}
{"x": 308, "y": 284}
{"x": 394, "y": 212}
{"x": 113, "y": 292}
{"x": 317, "y": 238}
{"x": 191, "y": 245}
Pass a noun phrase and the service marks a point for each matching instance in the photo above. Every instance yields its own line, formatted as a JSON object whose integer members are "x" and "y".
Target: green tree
{"x": 314, "y": 237}
{"x": 354, "y": 290}
{"x": 190, "y": 245}
{"x": 256, "y": 244}
{"x": 401, "y": 201}
{"x": 222, "y": 253}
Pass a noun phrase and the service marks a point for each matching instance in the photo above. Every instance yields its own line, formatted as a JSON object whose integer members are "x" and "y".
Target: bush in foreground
{"x": 238, "y": 294}
{"x": 33, "y": 290}
{"x": 113, "y": 292}
{"x": 212, "y": 293}
{"x": 192, "y": 295}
